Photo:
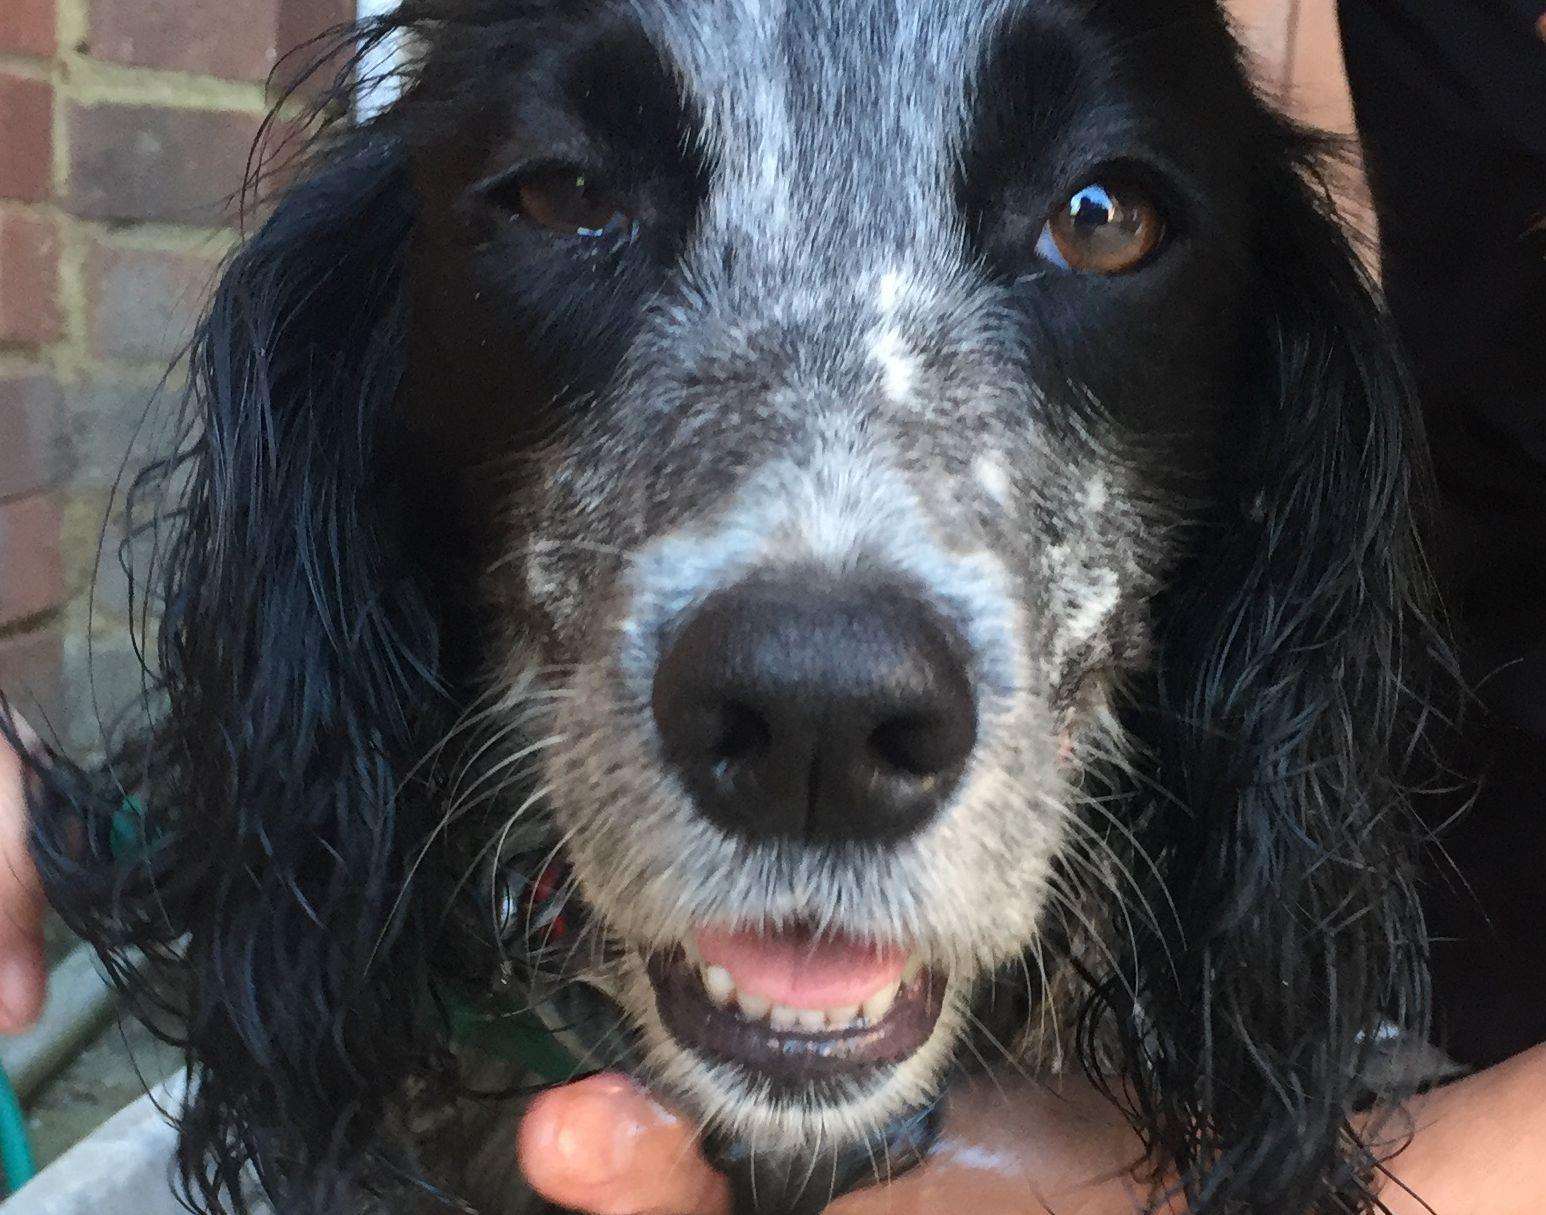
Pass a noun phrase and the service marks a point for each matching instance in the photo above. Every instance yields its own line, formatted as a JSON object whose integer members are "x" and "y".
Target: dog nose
{"x": 823, "y": 713}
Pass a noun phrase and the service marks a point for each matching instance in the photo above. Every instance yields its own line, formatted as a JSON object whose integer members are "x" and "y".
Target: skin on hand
{"x": 603, "y": 1146}
{"x": 1021, "y": 1148}
{"x": 1478, "y": 1146}
{"x": 1014, "y": 1148}
{"x": 22, "y": 971}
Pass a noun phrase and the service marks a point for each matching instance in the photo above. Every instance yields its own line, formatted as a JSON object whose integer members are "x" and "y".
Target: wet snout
{"x": 817, "y": 709}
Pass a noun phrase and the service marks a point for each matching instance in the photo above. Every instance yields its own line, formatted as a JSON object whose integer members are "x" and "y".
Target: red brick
{"x": 134, "y": 162}
{"x": 29, "y": 279}
{"x": 30, "y": 676}
{"x": 144, "y": 303}
{"x": 30, "y": 435}
{"x": 301, "y": 24}
{"x": 114, "y": 427}
{"x": 31, "y": 572}
{"x": 302, "y": 20}
{"x": 206, "y": 36}
{"x": 26, "y": 138}
{"x": 28, "y": 28}
{"x": 200, "y": 35}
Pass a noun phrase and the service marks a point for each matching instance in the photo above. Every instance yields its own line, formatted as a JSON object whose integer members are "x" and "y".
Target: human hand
{"x": 1014, "y": 1147}
{"x": 22, "y": 972}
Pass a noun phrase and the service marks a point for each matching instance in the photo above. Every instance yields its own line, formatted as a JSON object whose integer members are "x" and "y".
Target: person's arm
{"x": 1479, "y": 1146}
{"x": 22, "y": 971}
{"x": 1016, "y": 1148}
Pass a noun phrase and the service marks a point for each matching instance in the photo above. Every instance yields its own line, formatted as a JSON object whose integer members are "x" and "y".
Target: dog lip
{"x": 791, "y": 1056}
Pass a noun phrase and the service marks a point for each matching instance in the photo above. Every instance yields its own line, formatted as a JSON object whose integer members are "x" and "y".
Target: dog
{"x": 908, "y": 504}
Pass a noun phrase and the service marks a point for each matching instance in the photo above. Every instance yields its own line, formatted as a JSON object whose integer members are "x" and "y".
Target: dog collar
{"x": 513, "y": 1033}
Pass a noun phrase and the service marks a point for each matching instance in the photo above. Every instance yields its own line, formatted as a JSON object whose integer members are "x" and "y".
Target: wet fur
{"x": 447, "y": 489}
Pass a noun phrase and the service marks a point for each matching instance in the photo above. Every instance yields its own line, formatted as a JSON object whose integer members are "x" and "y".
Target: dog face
{"x": 898, "y": 337}
{"x": 936, "y": 484}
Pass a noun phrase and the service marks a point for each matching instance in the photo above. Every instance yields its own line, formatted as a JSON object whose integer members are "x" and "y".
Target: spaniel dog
{"x": 799, "y": 548}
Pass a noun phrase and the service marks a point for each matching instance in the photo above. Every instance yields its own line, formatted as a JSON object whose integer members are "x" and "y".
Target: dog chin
{"x": 864, "y": 1038}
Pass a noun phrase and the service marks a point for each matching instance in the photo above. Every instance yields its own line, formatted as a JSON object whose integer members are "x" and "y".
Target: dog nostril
{"x": 920, "y": 747}
{"x": 743, "y": 733}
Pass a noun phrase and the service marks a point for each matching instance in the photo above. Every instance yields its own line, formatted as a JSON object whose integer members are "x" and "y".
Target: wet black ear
{"x": 1289, "y": 689}
{"x": 269, "y": 863}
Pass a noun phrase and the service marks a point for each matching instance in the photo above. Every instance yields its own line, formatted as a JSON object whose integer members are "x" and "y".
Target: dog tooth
{"x": 753, "y": 1008}
{"x": 878, "y": 1005}
{"x": 718, "y": 983}
{"x": 912, "y": 970}
{"x": 782, "y": 1017}
{"x": 812, "y": 1020}
{"x": 842, "y": 1018}
{"x": 694, "y": 958}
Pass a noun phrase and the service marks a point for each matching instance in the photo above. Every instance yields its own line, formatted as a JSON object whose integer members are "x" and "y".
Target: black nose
{"x": 835, "y": 713}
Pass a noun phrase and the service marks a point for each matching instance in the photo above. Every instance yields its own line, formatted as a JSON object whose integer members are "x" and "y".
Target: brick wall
{"x": 124, "y": 125}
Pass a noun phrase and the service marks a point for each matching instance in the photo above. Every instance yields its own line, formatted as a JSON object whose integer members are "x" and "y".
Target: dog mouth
{"x": 795, "y": 1006}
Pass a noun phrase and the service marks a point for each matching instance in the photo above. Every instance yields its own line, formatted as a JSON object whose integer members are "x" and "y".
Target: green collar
{"x": 514, "y": 1035}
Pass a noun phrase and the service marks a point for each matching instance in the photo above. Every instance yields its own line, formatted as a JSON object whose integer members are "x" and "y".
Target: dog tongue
{"x": 796, "y": 969}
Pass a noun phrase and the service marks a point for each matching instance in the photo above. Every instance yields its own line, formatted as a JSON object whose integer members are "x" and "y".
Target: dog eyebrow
{"x": 621, "y": 86}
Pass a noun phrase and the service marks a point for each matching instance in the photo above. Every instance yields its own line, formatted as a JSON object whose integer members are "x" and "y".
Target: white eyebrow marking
{"x": 1100, "y": 599}
{"x": 896, "y": 361}
{"x": 993, "y": 478}
{"x": 892, "y": 283}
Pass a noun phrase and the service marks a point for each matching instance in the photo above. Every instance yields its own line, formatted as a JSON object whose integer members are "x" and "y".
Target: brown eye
{"x": 567, "y": 201}
{"x": 1102, "y": 230}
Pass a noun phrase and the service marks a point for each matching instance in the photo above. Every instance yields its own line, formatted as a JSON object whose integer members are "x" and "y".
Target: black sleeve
{"x": 1450, "y": 97}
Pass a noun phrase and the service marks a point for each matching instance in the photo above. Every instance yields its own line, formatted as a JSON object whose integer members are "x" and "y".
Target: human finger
{"x": 605, "y": 1147}
{"x": 22, "y": 972}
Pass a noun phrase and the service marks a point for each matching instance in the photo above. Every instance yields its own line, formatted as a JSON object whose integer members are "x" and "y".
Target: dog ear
{"x": 1288, "y": 692}
{"x": 269, "y": 862}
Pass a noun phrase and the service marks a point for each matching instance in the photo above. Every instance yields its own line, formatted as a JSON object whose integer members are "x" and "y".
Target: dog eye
{"x": 1102, "y": 229}
{"x": 564, "y": 200}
